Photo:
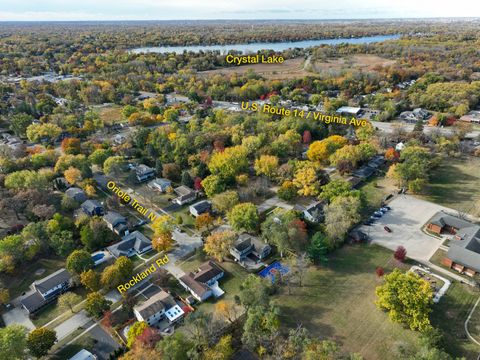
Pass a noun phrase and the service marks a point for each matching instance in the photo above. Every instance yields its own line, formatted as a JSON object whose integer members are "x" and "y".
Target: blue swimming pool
{"x": 272, "y": 269}
{"x": 98, "y": 256}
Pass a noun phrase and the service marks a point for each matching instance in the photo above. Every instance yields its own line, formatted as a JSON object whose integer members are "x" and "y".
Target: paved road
{"x": 390, "y": 127}
{"x": 273, "y": 202}
{"x": 68, "y": 326}
{"x": 105, "y": 344}
{"x": 18, "y": 316}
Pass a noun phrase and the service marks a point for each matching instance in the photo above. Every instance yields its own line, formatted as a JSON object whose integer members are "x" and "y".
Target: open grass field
{"x": 455, "y": 183}
{"x": 450, "y": 315}
{"x": 375, "y": 191}
{"x": 338, "y": 302}
{"x": 295, "y": 68}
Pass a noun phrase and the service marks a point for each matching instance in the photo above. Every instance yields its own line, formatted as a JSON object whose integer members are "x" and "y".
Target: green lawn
{"x": 375, "y": 190}
{"x": 337, "y": 302}
{"x": 52, "y": 310}
{"x": 24, "y": 275}
{"x": 450, "y": 314}
{"x": 230, "y": 283}
{"x": 455, "y": 183}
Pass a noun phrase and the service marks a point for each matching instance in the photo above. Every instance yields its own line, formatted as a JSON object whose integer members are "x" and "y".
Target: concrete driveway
{"x": 273, "y": 202}
{"x": 406, "y": 219}
{"x": 18, "y": 316}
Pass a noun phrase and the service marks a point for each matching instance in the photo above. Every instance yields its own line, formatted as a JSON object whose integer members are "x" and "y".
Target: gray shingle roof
{"x": 49, "y": 282}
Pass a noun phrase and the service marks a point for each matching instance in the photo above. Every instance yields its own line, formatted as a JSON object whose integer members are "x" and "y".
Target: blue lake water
{"x": 254, "y": 47}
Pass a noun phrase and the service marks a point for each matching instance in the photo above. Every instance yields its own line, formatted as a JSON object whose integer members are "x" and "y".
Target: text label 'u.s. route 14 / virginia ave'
{"x": 314, "y": 115}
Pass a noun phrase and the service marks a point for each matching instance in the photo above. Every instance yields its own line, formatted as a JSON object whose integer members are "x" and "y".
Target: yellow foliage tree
{"x": 267, "y": 165}
{"x": 72, "y": 175}
{"x": 321, "y": 150}
{"x": 306, "y": 180}
{"x": 219, "y": 243}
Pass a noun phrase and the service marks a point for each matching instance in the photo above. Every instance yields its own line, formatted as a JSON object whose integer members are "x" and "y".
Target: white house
{"x": 160, "y": 184}
{"x": 159, "y": 306}
{"x": 204, "y": 282}
{"x": 200, "y": 208}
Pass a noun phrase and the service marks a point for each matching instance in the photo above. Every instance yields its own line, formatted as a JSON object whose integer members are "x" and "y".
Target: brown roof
{"x": 207, "y": 271}
{"x": 158, "y": 302}
{"x": 197, "y": 287}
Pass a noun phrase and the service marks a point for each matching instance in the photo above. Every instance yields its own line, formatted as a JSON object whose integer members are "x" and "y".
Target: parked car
{"x": 384, "y": 209}
{"x": 387, "y": 229}
{"x": 373, "y": 218}
{"x": 378, "y": 213}
{"x": 387, "y": 207}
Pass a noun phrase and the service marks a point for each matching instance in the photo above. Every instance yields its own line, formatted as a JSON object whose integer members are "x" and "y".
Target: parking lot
{"x": 406, "y": 219}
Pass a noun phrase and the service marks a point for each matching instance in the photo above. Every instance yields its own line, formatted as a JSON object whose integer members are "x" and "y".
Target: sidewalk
{"x": 71, "y": 324}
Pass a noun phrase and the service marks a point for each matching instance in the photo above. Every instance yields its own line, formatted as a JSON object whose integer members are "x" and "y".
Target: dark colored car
{"x": 387, "y": 229}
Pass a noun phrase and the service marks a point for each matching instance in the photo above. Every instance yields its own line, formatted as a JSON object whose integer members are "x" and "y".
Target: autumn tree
{"x": 392, "y": 155}
{"x": 13, "y": 341}
{"x": 79, "y": 261}
{"x": 400, "y": 254}
{"x": 113, "y": 165}
{"x": 407, "y": 298}
{"x": 135, "y": 330}
{"x": 71, "y": 145}
{"x": 222, "y": 350}
{"x": 379, "y": 271}
{"x": 320, "y": 151}
{"x": 90, "y": 279}
{"x": 225, "y": 201}
{"x": 228, "y": 310}
{"x": 219, "y": 243}
{"x": 267, "y": 165}
{"x": 175, "y": 347}
{"x": 287, "y": 191}
{"x": 40, "y": 341}
{"x": 307, "y": 137}
{"x": 204, "y": 220}
{"x": 163, "y": 241}
{"x": 68, "y": 300}
{"x": 229, "y": 163}
{"x": 38, "y": 132}
{"x": 212, "y": 185}
{"x": 244, "y": 217}
{"x": 96, "y": 304}
{"x": 340, "y": 215}
{"x": 337, "y": 188}
{"x": 306, "y": 179}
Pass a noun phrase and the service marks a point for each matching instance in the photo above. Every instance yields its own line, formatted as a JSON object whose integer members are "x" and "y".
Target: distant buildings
{"x": 348, "y": 110}
{"x": 472, "y": 117}
{"x": 203, "y": 283}
{"x": 46, "y": 290}
{"x": 417, "y": 114}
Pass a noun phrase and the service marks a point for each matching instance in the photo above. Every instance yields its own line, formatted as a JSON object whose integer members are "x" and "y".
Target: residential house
{"x": 131, "y": 244}
{"x": 160, "y": 305}
{"x": 185, "y": 195}
{"x": 83, "y": 355}
{"x": 76, "y": 194}
{"x": 144, "y": 173}
{"x": 415, "y": 115}
{"x": 47, "y": 290}
{"x": 200, "y": 208}
{"x": 92, "y": 208}
{"x": 364, "y": 172}
{"x": 348, "y": 110}
{"x": 472, "y": 117}
{"x": 464, "y": 247}
{"x": 314, "y": 212}
{"x": 116, "y": 222}
{"x": 160, "y": 184}
{"x": 204, "y": 282}
{"x": 250, "y": 246}
{"x": 101, "y": 181}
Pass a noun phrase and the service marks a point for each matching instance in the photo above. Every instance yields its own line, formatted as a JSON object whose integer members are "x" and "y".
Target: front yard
{"x": 338, "y": 302}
